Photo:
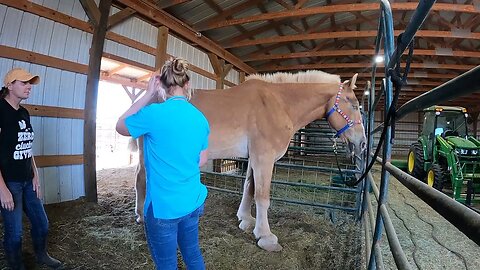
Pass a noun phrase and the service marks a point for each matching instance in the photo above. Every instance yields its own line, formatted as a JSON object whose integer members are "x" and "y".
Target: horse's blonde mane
{"x": 309, "y": 76}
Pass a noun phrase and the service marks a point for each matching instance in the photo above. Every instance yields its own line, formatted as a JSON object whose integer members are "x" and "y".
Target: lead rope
{"x": 398, "y": 82}
{"x": 335, "y": 151}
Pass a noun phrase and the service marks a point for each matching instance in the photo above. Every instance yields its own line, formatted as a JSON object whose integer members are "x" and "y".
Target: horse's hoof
{"x": 247, "y": 225}
{"x": 269, "y": 243}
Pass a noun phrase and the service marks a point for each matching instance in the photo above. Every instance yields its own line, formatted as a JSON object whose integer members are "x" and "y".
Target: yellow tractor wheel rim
{"x": 411, "y": 161}
{"x": 430, "y": 178}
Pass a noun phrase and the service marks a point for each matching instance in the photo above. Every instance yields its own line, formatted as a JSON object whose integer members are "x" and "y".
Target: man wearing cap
{"x": 19, "y": 183}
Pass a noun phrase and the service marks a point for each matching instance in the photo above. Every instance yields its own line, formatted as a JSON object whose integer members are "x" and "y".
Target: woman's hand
{"x": 36, "y": 186}
{"x": 6, "y": 199}
{"x": 155, "y": 87}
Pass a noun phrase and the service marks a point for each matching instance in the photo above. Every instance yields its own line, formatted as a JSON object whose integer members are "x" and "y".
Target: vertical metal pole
{"x": 387, "y": 147}
{"x": 371, "y": 137}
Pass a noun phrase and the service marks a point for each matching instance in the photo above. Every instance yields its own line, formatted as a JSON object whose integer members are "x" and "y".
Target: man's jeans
{"x": 164, "y": 234}
{"x": 25, "y": 199}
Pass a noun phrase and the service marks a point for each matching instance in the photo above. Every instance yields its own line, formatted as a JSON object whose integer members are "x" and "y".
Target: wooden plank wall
{"x": 52, "y": 38}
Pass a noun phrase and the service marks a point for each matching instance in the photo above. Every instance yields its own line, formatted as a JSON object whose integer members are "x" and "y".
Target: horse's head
{"x": 343, "y": 115}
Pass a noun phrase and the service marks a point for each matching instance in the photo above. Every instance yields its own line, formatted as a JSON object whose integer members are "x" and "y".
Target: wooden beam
{"x": 58, "y": 160}
{"x": 227, "y": 13}
{"x": 226, "y": 70}
{"x": 121, "y": 60}
{"x": 120, "y": 17}
{"x": 56, "y": 112}
{"x": 116, "y": 70}
{"x": 91, "y": 10}
{"x": 333, "y": 9}
{"x": 144, "y": 77}
{"x": 218, "y": 69}
{"x": 412, "y": 75}
{"x": 135, "y": 64}
{"x": 41, "y": 59}
{"x": 123, "y": 81}
{"x": 131, "y": 95}
{"x": 363, "y": 52}
{"x": 360, "y": 65}
{"x": 347, "y": 34}
{"x": 91, "y": 96}
{"x": 155, "y": 14}
{"x": 162, "y": 39}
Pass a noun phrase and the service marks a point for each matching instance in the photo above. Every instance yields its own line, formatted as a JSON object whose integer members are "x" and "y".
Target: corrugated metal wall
{"x": 406, "y": 133}
{"x": 60, "y": 88}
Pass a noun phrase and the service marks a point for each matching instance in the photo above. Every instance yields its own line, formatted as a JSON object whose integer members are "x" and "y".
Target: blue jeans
{"x": 25, "y": 199}
{"x": 163, "y": 235}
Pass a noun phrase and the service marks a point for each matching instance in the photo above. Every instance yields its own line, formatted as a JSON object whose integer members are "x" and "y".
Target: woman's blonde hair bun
{"x": 174, "y": 72}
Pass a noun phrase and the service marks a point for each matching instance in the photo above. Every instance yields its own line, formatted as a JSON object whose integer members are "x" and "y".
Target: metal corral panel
{"x": 179, "y": 48}
{"x": 59, "y": 88}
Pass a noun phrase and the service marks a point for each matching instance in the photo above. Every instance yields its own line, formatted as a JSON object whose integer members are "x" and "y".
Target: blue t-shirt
{"x": 175, "y": 132}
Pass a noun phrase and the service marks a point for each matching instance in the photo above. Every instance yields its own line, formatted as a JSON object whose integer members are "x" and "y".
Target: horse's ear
{"x": 354, "y": 80}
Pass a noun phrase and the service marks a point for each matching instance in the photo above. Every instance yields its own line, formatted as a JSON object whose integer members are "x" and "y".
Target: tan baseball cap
{"x": 20, "y": 74}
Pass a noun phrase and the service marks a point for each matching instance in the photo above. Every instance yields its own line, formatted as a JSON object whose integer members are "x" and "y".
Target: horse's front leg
{"x": 244, "y": 213}
{"x": 262, "y": 173}
{"x": 140, "y": 184}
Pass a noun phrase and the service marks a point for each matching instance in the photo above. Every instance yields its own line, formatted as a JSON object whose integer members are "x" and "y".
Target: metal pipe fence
{"x": 392, "y": 57}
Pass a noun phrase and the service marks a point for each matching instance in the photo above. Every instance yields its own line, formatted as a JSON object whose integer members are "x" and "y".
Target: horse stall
{"x": 309, "y": 196}
{"x": 322, "y": 220}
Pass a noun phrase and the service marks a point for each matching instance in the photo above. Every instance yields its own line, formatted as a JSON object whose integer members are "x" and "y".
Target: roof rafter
{"x": 330, "y": 9}
{"x": 350, "y": 34}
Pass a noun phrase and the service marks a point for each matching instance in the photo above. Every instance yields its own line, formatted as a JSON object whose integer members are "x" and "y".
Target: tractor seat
{"x": 449, "y": 133}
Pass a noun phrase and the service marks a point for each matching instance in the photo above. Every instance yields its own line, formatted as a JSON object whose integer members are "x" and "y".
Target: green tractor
{"x": 444, "y": 156}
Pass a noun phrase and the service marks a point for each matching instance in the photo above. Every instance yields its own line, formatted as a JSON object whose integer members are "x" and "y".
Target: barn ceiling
{"x": 337, "y": 36}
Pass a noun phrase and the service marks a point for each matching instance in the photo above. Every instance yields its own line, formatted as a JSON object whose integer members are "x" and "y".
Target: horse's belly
{"x": 237, "y": 147}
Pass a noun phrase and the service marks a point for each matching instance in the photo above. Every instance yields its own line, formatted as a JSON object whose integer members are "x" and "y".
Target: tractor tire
{"x": 416, "y": 161}
{"x": 437, "y": 177}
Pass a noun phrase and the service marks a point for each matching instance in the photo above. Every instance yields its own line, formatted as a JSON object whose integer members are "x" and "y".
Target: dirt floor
{"x": 429, "y": 241}
{"x": 105, "y": 236}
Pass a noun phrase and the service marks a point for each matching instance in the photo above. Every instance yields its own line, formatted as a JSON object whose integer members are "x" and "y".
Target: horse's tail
{"x": 132, "y": 145}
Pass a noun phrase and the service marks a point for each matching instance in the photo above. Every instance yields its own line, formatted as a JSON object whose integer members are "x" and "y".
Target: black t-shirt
{"x": 16, "y": 139}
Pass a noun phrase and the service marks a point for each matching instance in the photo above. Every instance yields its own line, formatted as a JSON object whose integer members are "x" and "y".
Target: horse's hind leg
{"x": 140, "y": 184}
{"x": 244, "y": 213}
{"x": 262, "y": 173}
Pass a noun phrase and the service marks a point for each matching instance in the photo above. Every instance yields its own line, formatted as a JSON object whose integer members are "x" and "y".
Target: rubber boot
{"x": 44, "y": 258}
{"x": 15, "y": 261}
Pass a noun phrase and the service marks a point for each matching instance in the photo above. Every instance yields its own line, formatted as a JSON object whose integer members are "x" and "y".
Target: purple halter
{"x": 350, "y": 122}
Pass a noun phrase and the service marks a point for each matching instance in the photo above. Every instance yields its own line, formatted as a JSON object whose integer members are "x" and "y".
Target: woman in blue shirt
{"x": 175, "y": 146}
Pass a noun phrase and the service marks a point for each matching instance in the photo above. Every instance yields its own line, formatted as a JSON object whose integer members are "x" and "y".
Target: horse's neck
{"x": 307, "y": 101}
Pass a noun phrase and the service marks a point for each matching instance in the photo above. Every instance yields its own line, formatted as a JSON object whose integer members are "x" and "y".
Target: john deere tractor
{"x": 444, "y": 156}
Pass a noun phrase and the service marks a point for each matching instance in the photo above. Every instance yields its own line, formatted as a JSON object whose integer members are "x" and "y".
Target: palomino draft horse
{"x": 257, "y": 119}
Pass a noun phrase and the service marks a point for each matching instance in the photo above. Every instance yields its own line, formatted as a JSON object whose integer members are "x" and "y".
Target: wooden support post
{"x": 242, "y": 77}
{"x": 221, "y": 70}
{"x": 92, "y": 11}
{"x": 162, "y": 39}
{"x": 93, "y": 77}
{"x": 119, "y": 17}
